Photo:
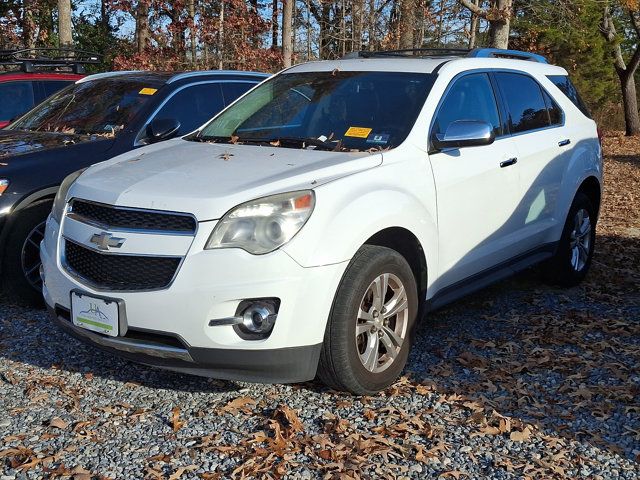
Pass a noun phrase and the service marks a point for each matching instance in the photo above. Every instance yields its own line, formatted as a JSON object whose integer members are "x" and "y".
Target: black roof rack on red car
{"x": 32, "y": 60}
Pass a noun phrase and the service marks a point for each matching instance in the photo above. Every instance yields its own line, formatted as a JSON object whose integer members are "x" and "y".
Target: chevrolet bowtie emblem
{"x": 105, "y": 241}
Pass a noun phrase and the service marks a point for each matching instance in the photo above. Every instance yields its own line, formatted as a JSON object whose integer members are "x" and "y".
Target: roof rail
{"x": 197, "y": 73}
{"x": 107, "y": 75}
{"x": 410, "y": 52}
{"x": 36, "y": 59}
{"x": 503, "y": 53}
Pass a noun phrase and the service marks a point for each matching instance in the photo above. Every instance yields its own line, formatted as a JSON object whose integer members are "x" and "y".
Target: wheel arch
{"x": 591, "y": 187}
{"x": 406, "y": 244}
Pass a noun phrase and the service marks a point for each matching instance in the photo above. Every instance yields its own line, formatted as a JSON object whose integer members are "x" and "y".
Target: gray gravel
{"x": 75, "y": 410}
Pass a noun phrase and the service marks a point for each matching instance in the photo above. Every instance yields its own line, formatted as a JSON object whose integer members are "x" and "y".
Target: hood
{"x": 207, "y": 179}
{"x": 17, "y": 142}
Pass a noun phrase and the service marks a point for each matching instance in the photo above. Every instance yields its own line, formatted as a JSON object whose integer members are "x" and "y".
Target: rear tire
{"x": 572, "y": 260}
{"x": 370, "y": 327}
{"x": 21, "y": 263}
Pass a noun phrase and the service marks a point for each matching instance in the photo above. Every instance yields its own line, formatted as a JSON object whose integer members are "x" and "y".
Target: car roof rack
{"x": 409, "y": 52}
{"x": 32, "y": 60}
{"x": 449, "y": 52}
{"x": 504, "y": 53}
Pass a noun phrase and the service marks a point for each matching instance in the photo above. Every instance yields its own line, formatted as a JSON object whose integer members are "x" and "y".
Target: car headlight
{"x": 262, "y": 225}
{"x": 61, "y": 197}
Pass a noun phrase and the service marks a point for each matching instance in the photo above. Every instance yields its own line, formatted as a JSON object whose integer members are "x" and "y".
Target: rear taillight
{"x": 600, "y": 135}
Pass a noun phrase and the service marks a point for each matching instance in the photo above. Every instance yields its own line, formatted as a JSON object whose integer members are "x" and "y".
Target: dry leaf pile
{"x": 521, "y": 380}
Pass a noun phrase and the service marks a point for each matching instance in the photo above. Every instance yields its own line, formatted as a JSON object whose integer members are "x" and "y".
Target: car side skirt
{"x": 491, "y": 275}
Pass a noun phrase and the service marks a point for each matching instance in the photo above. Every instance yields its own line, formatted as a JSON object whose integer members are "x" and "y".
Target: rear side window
{"x": 193, "y": 106}
{"x": 15, "y": 99}
{"x": 524, "y": 101}
{"x": 469, "y": 98}
{"x": 555, "y": 112}
{"x": 233, "y": 90}
{"x": 566, "y": 86}
{"x": 52, "y": 86}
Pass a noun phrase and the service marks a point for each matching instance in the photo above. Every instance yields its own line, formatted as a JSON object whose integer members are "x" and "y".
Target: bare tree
{"x": 64, "y": 23}
{"x": 274, "y": 24}
{"x": 498, "y": 14}
{"x": 142, "y": 26}
{"x": 28, "y": 25}
{"x": 287, "y": 38}
{"x": 407, "y": 22}
{"x": 192, "y": 29}
{"x": 626, "y": 71}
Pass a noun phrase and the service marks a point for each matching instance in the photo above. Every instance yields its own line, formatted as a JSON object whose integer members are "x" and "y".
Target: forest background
{"x": 597, "y": 41}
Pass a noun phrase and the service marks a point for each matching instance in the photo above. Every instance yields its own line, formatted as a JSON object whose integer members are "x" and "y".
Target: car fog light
{"x": 259, "y": 318}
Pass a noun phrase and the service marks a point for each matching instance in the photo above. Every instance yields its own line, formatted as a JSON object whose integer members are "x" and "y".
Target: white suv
{"x": 307, "y": 227}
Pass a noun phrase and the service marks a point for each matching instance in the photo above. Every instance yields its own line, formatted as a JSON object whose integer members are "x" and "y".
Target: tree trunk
{"x": 142, "y": 26}
{"x": 64, "y": 23}
{"x": 371, "y": 24}
{"x": 274, "y": 24}
{"x": 287, "y": 39}
{"x": 357, "y": 19}
{"x": 221, "y": 36}
{"x": 499, "y": 17}
{"x": 626, "y": 71}
{"x": 28, "y": 25}
{"x": 192, "y": 30}
{"x": 630, "y": 104}
{"x": 499, "y": 33}
{"x": 473, "y": 28}
{"x": 407, "y": 23}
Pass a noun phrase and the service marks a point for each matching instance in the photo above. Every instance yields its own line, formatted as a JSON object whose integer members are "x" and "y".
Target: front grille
{"x": 133, "y": 219}
{"x": 119, "y": 272}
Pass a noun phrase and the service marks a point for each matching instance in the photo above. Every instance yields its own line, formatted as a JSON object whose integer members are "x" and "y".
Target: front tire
{"x": 570, "y": 264}
{"x": 21, "y": 263}
{"x": 370, "y": 327}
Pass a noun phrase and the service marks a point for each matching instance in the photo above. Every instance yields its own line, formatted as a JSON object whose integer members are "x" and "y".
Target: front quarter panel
{"x": 352, "y": 209}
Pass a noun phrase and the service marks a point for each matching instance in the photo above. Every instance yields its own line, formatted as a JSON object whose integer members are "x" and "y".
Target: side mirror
{"x": 162, "y": 129}
{"x": 465, "y": 133}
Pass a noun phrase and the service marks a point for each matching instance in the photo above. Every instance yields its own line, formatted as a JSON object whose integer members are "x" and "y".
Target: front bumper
{"x": 283, "y": 365}
{"x": 170, "y": 328}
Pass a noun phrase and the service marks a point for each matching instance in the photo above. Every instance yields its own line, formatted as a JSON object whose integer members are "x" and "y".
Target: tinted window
{"x": 102, "y": 106}
{"x": 555, "y": 112}
{"x": 567, "y": 87}
{"x": 470, "y": 98}
{"x": 52, "y": 86}
{"x": 193, "y": 106}
{"x": 350, "y": 110}
{"x": 524, "y": 102}
{"x": 233, "y": 90}
{"x": 15, "y": 99}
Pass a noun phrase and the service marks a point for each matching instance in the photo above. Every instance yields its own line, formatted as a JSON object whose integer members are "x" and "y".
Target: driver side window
{"x": 470, "y": 98}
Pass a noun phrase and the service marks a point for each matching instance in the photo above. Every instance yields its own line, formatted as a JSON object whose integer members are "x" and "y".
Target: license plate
{"x": 95, "y": 314}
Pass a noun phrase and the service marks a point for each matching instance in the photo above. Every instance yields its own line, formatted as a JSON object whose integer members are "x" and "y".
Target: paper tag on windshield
{"x": 358, "y": 132}
{"x": 378, "y": 138}
{"x": 148, "y": 91}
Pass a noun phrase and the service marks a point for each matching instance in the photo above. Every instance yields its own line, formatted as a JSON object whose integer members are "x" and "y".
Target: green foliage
{"x": 567, "y": 33}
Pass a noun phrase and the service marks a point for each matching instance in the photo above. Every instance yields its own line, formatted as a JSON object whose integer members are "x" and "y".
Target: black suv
{"x": 97, "y": 118}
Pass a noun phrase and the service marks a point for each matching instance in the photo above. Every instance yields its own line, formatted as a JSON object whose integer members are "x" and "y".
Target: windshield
{"x": 97, "y": 107}
{"x": 331, "y": 110}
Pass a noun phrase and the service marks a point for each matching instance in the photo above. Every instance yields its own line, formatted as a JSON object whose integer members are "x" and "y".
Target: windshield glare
{"x": 346, "y": 110}
{"x": 98, "y": 107}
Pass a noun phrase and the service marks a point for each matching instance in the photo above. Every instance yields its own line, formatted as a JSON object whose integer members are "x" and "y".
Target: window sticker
{"x": 378, "y": 138}
{"x": 148, "y": 91}
{"x": 358, "y": 132}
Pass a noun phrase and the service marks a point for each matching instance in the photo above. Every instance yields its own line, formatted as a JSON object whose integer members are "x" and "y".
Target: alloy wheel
{"x": 381, "y": 327}
{"x": 31, "y": 256}
{"x": 580, "y": 240}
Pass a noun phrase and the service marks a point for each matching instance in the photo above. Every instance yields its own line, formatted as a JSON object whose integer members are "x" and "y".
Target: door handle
{"x": 563, "y": 143}
{"x": 508, "y": 163}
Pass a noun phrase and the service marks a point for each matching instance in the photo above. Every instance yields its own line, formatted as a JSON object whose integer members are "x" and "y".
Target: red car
{"x": 35, "y": 74}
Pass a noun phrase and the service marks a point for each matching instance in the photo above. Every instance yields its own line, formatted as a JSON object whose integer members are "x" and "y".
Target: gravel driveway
{"x": 519, "y": 381}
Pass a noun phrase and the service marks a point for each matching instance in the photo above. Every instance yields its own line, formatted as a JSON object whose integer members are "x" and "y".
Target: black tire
{"x": 340, "y": 366}
{"x": 16, "y": 286}
{"x": 563, "y": 269}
